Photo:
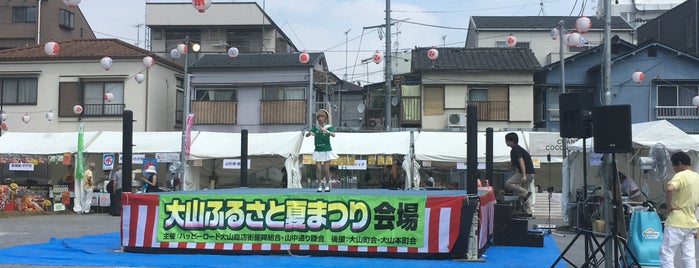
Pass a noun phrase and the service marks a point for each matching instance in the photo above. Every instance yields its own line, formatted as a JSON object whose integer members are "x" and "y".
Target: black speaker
{"x": 575, "y": 109}
{"x": 612, "y": 128}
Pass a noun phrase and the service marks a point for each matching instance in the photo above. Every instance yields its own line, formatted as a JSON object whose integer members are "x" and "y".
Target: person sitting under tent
{"x": 629, "y": 188}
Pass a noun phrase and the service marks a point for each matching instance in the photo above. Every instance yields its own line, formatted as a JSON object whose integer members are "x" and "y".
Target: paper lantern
{"x": 201, "y": 5}
{"x": 573, "y": 39}
{"x": 175, "y": 54}
{"x": 555, "y": 33}
{"x": 637, "y": 76}
{"x": 377, "y": 57}
{"x": 3, "y": 126}
{"x": 182, "y": 48}
{"x": 233, "y": 52}
{"x": 140, "y": 78}
{"x": 106, "y": 63}
{"x": 511, "y": 41}
{"x": 695, "y": 100}
{"x": 49, "y": 116}
{"x": 51, "y": 48}
{"x": 77, "y": 109}
{"x": 3, "y": 116}
{"x": 433, "y": 54}
{"x": 583, "y": 24}
{"x": 26, "y": 118}
{"x": 304, "y": 57}
{"x": 148, "y": 61}
{"x": 109, "y": 96}
{"x": 71, "y": 3}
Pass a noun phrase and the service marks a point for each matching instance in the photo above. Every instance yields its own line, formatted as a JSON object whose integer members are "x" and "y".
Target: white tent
{"x": 643, "y": 136}
{"x": 43, "y": 143}
{"x": 451, "y": 147}
{"x": 281, "y": 146}
{"x": 143, "y": 142}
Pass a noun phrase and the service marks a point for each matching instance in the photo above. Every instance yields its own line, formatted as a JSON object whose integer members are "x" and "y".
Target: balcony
{"x": 214, "y": 112}
{"x": 491, "y": 110}
{"x": 103, "y": 110}
{"x": 676, "y": 112}
{"x": 283, "y": 112}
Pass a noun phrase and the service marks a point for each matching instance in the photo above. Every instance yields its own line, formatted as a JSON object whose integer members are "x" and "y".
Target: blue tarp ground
{"x": 103, "y": 250}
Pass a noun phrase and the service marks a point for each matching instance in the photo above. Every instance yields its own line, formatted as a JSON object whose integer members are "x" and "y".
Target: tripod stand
{"x": 617, "y": 243}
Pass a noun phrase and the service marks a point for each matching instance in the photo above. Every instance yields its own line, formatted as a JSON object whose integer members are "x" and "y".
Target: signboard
{"x": 233, "y": 164}
{"x": 342, "y": 220}
{"x": 135, "y": 158}
{"x": 358, "y": 165}
{"x": 107, "y": 161}
{"x": 21, "y": 166}
{"x": 147, "y": 162}
{"x": 543, "y": 143}
{"x": 167, "y": 157}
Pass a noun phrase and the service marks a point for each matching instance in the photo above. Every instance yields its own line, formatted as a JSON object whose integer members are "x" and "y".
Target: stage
{"x": 345, "y": 222}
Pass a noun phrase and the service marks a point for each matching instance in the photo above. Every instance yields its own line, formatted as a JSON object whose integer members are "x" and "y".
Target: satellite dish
{"x": 394, "y": 101}
{"x": 361, "y": 107}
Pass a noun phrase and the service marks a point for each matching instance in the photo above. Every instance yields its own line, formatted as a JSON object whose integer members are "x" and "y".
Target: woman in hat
{"x": 323, "y": 152}
{"x": 151, "y": 182}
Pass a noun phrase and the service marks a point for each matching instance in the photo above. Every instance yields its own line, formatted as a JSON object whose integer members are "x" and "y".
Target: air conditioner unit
{"x": 456, "y": 119}
{"x": 375, "y": 123}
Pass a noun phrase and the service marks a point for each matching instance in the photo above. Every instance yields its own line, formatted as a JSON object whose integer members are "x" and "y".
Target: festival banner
{"x": 357, "y": 220}
{"x": 79, "y": 159}
{"x": 188, "y": 137}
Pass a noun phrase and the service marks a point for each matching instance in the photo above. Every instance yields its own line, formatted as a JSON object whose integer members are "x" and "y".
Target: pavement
{"x": 39, "y": 229}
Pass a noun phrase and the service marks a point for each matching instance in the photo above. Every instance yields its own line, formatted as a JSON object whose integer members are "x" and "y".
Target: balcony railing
{"x": 103, "y": 110}
{"x": 214, "y": 112}
{"x": 676, "y": 112}
{"x": 283, "y": 112}
{"x": 492, "y": 110}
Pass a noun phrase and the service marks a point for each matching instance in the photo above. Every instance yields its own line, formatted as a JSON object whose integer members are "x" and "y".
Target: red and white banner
{"x": 188, "y": 137}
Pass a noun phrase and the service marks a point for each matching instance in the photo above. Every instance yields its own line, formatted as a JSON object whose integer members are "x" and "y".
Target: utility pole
{"x": 561, "y": 57}
{"x": 387, "y": 65}
{"x": 346, "y": 51}
{"x": 607, "y": 51}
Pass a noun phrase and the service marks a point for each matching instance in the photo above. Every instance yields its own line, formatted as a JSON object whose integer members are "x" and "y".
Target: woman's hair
{"x": 323, "y": 112}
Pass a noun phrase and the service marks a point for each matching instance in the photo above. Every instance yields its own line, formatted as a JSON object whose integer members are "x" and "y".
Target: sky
{"x": 337, "y": 27}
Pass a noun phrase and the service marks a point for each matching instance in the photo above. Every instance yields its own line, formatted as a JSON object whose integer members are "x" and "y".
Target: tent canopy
{"x": 209, "y": 145}
{"x": 143, "y": 142}
{"x": 43, "y": 143}
{"x": 644, "y": 135}
{"x": 364, "y": 143}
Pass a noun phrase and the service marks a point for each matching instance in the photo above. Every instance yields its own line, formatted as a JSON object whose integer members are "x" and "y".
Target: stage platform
{"x": 343, "y": 222}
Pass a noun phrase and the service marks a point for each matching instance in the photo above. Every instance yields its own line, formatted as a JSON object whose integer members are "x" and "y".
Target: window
{"x": 23, "y": 14}
{"x": 410, "y": 98}
{"x": 66, "y": 19}
{"x": 517, "y": 45}
{"x": 675, "y": 102}
{"x": 20, "y": 91}
{"x": 689, "y": 31}
{"x": 492, "y": 102}
{"x": 434, "y": 100}
{"x": 245, "y": 40}
{"x": 179, "y": 106}
{"x": 553, "y": 105}
{"x": 216, "y": 94}
{"x": 94, "y": 100}
{"x": 284, "y": 93}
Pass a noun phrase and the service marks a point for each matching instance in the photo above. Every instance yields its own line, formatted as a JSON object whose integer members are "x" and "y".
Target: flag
{"x": 188, "y": 134}
{"x": 79, "y": 165}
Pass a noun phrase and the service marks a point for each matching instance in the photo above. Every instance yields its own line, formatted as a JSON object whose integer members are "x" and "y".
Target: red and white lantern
{"x": 233, "y": 52}
{"x": 573, "y": 39}
{"x": 106, "y": 63}
{"x": 3, "y": 116}
{"x": 583, "y": 24}
{"x": 3, "y": 126}
{"x": 201, "y": 5}
{"x": 71, "y": 3}
{"x": 26, "y": 118}
{"x": 148, "y": 61}
{"x": 695, "y": 100}
{"x": 432, "y": 54}
{"x": 77, "y": 109}
{"x": 51, "y": 48}
{"x": 140, "y": 78}
{"x": 304, "y": 57}
{"x": 377, "y": 58}
{"x": 49, "y": 116}
{"x": 109, "y": 96}
{"x": 175, "y": 54}
{"x": 511, "y": 41}
{"x": 638, "y": 76}
{"x": 182, "y": 48}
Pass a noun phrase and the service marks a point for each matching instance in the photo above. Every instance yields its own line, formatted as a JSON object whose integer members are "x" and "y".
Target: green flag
{"x": 79, "y": 165}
